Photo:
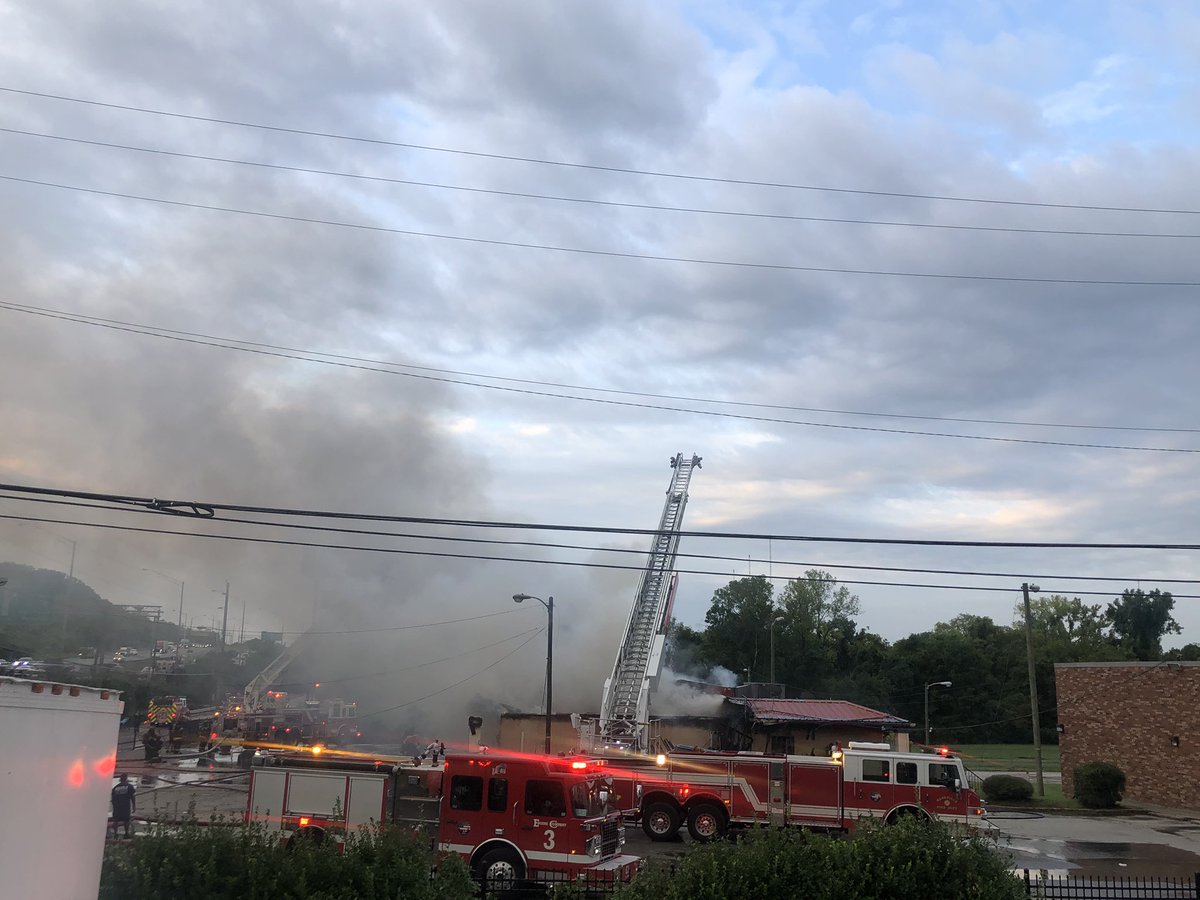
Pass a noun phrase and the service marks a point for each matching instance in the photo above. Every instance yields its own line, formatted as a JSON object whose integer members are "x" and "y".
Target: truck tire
{"x": 311, "y": 836}
{"x": 706, "y": 822}
{"x": 661, "y": 821}
{"x": 498, "y": 868}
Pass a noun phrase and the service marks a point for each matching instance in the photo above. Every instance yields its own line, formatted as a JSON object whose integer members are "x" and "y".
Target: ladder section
{"x": 255, "y": 694}
{"x": 625, "y": 706}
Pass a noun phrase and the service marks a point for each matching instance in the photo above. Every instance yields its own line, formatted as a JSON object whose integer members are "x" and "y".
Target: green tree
{"x": 1140, "y": 620}
{"x": 1070, "y": 630}
{"x": 815, "y": 639}
{"x": 989, "y": 698}
{"x": 737, "y": 619}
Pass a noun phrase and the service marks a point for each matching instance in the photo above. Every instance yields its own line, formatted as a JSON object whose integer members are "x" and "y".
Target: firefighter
{"x": 152, "y": 743}
{"x": 123, "y": 804}
{"x": 435, "y": 749}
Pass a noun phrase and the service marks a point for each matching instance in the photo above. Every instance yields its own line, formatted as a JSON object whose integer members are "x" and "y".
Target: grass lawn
{"x": 1006, "y": 757}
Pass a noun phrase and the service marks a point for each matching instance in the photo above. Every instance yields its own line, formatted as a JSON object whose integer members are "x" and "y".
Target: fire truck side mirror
{"x": 957, "y": 785}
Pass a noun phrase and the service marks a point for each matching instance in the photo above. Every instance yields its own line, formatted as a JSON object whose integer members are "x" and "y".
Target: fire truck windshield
{"x": 591, "y": 798}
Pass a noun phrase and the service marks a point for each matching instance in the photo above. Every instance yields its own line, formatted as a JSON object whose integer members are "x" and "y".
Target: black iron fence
{"x": 1083, "y": 887}
{"x": 550, "y": 885}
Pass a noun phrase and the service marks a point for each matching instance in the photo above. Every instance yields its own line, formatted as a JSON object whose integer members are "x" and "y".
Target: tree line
{"x": 822, "y": 652}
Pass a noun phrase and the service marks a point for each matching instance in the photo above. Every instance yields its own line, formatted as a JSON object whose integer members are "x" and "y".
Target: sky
{"x": 904, "y": 271}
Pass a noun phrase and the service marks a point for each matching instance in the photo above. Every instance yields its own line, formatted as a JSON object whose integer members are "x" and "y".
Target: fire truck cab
{"x": 510, "y": 816}
{"x": 711, "y": 791}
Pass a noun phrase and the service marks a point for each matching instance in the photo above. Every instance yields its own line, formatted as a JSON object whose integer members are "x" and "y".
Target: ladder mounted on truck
{"x": 255, "y": 695}
{"x": 625, "y": 707}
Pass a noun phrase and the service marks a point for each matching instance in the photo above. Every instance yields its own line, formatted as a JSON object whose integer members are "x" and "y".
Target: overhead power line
{"x": 591, "y": 201}
{"x": 304, "y": 355}
{"x": 610, "y": 254}
{"x": 382, "y": 369}
{"x": 171, "y": 507}
{"x": 620, "y": 551}
{"x": 437, "y": 554}
{"x": 592, "y": 166}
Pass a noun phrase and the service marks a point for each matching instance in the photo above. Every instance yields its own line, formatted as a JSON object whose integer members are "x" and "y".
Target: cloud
{"x": 618, "y": 87}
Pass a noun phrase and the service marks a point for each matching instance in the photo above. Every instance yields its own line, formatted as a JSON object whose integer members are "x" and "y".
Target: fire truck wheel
{"x": 706, "y": 822}
{"x": 907, "y": 812}
{"x": 306, "y": 836}
{"x": 660, "y": 821}
{"x": 498, "y": 867}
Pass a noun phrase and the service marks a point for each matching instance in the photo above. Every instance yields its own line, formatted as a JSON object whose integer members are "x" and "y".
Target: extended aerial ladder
{"x": 625, "y": 707}
{"x": 255, "y": 695}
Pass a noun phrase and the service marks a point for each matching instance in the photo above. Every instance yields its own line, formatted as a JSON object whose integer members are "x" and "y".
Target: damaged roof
{"x": 820, "y": 712}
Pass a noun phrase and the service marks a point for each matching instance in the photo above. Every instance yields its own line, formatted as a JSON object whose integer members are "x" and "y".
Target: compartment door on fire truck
{"x": 814, "y": 793}
{"x": 869, "y": 788}
{"x": 759, "y": 791}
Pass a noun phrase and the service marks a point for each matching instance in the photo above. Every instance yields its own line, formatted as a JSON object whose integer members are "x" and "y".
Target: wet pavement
{"x": 1165, "y": 843}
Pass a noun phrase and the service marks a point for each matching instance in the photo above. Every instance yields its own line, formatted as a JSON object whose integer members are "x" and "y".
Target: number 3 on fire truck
{"x": 549, "y": 845}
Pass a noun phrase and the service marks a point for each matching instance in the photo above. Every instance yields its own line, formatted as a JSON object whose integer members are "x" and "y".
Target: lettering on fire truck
{"x": 510, "y": 816}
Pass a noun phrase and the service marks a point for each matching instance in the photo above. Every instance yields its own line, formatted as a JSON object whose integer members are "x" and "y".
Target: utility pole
{"x": 1033, "y": 700}
{"x": 242, "y": 633}
{"x": 224, "y": 616}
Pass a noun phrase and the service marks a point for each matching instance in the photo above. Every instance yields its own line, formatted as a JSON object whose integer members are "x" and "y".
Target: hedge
{"x": 911, "y": 859}
{"x": 1006, "y": 787}
{"x": 1099, "y": 785}
{"x": 247, "y": 862}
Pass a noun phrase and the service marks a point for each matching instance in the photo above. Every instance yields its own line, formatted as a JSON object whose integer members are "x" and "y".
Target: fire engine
{"x": 712, "y": 791}
{"x": 510, "y": 816}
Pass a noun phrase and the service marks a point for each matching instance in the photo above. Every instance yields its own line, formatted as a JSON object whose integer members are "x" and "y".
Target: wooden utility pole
{"x": 1033, "y": 700}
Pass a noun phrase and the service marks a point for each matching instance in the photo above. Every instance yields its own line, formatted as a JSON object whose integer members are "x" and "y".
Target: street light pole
{"x": 224, "y": 616}
{"x": 1033, "y": 698}
{"x": 927, "y": 687}
{"x": 549, "y": 657}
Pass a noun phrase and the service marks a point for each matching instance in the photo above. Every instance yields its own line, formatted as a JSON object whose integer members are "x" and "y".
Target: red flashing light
{"x": 105, "y": 766}
{"x": 75, "y": 775}
{"x": 943, "y": 751}
{"x": 303, "y": 821}
{"x": 213, "y": 736}
{"x": 579, "y": 765}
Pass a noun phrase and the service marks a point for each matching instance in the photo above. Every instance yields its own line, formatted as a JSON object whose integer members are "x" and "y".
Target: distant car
{"x": 118, "y": 657}
{"x": 131, "y": 651}
{"x": 26, "y": 667}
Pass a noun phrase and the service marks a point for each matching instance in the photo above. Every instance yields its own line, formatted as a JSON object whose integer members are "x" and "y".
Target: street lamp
{"x": 927, "y": 687}
{"x": 775, "y": 621}
{"x": 181, "y": 584}
{"x": 520, "y": 598}
{"x": 224, "y": 613}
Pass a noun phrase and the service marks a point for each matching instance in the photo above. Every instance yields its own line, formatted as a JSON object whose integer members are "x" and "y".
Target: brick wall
{"x": 1127, "y": 714}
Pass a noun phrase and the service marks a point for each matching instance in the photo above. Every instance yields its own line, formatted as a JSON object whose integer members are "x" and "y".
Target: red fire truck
{"x": 712, "y": 791}
{"x": 510, "y": 816}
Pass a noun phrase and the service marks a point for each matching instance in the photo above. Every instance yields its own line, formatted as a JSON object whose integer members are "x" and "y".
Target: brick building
{"x": 1141, "y": 716}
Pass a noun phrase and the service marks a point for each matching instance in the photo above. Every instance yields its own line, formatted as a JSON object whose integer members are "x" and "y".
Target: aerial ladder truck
{"x": 625, "y": 706}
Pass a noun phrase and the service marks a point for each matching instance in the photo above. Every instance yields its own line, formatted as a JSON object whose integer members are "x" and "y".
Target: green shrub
{"x": 220, "y": 862}
{"x": 912, "y": 859}
{"x": 997, "y": 788}
{"x": 1099, "y": 785}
